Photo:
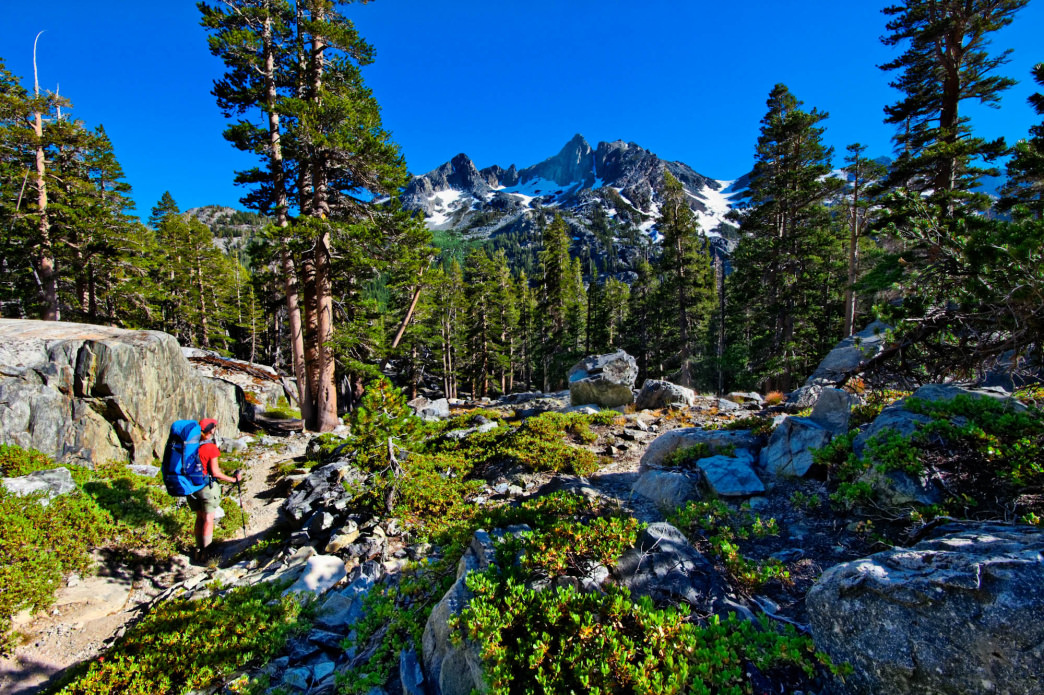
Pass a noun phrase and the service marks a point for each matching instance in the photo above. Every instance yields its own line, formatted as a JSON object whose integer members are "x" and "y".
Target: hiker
{"x": 207, "y": 499}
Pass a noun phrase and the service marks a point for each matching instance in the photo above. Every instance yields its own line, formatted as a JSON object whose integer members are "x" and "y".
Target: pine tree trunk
{"x": 326, "y": 396}
{"x": 853, "y": 250}
{"x": 204, "y": 330}
{"x": 45, "y": 264}
{"x": 311, "y": 330}
{"x": 278, "y": 172}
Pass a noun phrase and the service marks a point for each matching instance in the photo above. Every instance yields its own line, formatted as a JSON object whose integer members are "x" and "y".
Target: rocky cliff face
{"x": 89, "y": 394}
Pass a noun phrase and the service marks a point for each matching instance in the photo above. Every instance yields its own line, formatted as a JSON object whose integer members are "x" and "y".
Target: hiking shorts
{"x": 207, "y": 499}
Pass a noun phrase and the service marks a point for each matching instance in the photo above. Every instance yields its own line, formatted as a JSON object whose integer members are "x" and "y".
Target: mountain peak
{"x": 573, "y": 163}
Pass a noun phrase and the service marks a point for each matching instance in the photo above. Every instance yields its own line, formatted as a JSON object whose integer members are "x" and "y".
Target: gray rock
{"x": 901, "y": 489}
{"x": 958, "y": 613}
{"x": 746, "y": 398}
{"x": 662, "y": 394}
{"x": 88, "y": 394}
{"x": 410, "y": 673}
{"x": 426, "y": 409}
{"x": 144, "y": 470}
{"x": 849, "y": 354}
{"x": 339, "y": 612}
{"x": 895, "y": 418}
{"x": 343, "y": 537}
{"x": 260, "y": 380}
{"x": 664, "y": 566}
{"x": 321, "y": 573}
{"x": 456, "y": 669}
{"x": 322, "y": 491}
{"x": 724, "y": 405}
{"x": 668, "y": 442}
{"x": 321, "y": 669}
{"x": 582, "y": 409}
{"x": 300, "y": 649}
{"x": 947, "y": 392}
{"x": 234, "y": 445}
{"x": 50, "y": 483}
{"x": 789, "y": 451}
{"x": 325, "y": 639}
{"x": 833, "y": 410}
{"x": 729, "y": 476}
{"x": 296, "y": 678}
{"x": 668, "y": 490}
{"x": 603, "y": 380}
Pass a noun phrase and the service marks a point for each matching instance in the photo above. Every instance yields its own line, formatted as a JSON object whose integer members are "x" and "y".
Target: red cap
{"x": 207, "y": 425}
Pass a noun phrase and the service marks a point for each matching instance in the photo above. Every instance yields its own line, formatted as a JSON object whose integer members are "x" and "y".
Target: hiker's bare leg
{"x": 207, "y": 533}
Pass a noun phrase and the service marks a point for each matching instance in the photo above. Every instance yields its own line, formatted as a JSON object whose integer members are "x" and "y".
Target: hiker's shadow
{"x": 130, "y": 505}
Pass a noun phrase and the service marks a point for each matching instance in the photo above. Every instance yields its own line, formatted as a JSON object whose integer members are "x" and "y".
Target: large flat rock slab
{"x": 87, "y": 394}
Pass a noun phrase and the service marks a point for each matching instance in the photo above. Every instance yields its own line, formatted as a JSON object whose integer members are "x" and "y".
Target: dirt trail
{"x": 89, "y": 612}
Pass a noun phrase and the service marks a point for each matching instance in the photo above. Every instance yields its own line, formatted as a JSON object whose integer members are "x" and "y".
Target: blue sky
{"x": 505, "y": 82}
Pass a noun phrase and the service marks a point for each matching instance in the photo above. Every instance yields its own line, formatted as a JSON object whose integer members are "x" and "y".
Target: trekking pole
{"x": 242, "y": 513}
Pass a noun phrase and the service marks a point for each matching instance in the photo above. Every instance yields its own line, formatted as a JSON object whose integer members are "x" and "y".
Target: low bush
{"x": 184, "y": 646}
{"x": 712, "y": 526}
{"x": 982, "y": 448}
{"x": 564, "y": 640}
{"x": 395, "y": 615}
{"x": 112, "y": 508}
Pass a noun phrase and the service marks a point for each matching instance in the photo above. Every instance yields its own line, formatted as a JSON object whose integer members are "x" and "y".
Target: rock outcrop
{"x": 87, "y": 394}
{"x": 843, "y": 359}
{"x": 456, "y": 669}
{"x": 958, "y": 613}
{"x": 603, "y": 380}
{"x": 663, "y": 394}
{"x": 789, "y": 451}
{"x": 666, "y": 567}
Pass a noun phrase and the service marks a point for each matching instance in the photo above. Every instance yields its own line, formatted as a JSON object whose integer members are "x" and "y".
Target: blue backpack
{"x": 183, "y": 472}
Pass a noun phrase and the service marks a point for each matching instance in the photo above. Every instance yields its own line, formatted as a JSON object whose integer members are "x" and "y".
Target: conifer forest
{"x": 327, "y": 276}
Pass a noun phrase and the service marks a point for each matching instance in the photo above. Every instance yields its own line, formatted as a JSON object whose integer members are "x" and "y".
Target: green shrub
{"x": 112, "y": 508}
{"x": 563, "y": 640}
{"x": 539, "y": 444}
{"x": 712, "y": 524}
{"x": 758, "y": 425}
{"x": 395, "y": 616}
{"x": 183, "y": 646}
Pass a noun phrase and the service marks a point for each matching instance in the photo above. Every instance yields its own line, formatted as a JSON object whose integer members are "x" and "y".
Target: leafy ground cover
{"x": 183, "y": 646}
{"x": 113, "y": 508}
{"x": 561, "y": 639}
{"x": 985, "y": 456}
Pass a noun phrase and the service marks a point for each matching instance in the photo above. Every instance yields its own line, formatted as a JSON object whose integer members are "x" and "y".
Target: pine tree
{"x": 783, "y": 310}
{"x": 1025, "y": 185}
{"x": 294, "y": 73}
{"x": 527, "y": 339}
{"x": 687, "y": 282}
{"x": 945, "y": 63}
{"x": 554, "y": 303}
{"x": 862, "y": 173}
{"x": 644, "y": 322}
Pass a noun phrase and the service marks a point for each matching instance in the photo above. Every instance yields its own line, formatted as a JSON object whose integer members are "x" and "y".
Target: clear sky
{"x": 503, "y": 81}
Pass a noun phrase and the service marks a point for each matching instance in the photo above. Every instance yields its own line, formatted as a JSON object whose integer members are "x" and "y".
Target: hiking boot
{"x": 204, "y": 557}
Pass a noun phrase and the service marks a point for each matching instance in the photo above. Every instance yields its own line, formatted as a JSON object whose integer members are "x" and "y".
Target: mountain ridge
{"x": 621, "y": 177}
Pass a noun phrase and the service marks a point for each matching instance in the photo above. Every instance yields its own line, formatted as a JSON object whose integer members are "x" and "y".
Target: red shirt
{"x": 208, "y": 452}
